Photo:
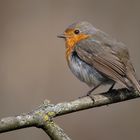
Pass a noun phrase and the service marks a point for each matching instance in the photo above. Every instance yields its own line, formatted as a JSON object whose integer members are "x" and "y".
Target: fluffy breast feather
{"x": 83, "y": 71}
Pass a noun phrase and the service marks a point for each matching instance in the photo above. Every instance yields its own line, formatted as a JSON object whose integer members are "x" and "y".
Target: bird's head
{"x": 77, "y": 32}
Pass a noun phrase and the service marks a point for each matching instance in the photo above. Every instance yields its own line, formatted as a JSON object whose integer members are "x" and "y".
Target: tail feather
{"x": 134, "y": 81}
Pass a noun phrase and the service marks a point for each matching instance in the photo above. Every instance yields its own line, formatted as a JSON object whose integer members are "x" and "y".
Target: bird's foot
{"x": 111, "y": 88}
{"x": 88, "y": 95}
{"x": 112, "y": 92}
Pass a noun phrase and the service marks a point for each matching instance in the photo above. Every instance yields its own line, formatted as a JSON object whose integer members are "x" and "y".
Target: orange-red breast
{"x": 96, "y": 58}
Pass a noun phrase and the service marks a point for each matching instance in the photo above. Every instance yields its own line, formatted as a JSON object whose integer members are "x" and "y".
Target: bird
{"x": 96, "y": 58}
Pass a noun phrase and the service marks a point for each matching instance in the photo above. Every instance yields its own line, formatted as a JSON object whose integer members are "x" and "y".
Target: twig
{"x": 55, "y": 132}
{"x": 42, "y": 116}
{"x": 37, "y": 118}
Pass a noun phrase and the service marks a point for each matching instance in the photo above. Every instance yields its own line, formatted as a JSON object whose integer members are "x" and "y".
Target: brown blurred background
{"x": 33, "y": 66}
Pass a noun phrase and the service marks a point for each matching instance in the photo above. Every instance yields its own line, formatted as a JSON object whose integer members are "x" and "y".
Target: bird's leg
{"x": 90, "y": 91}
{"x": 110, "y": 89}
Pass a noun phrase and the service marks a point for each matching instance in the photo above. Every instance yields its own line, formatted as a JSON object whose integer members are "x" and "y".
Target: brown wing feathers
{"x": 110, "y": 67}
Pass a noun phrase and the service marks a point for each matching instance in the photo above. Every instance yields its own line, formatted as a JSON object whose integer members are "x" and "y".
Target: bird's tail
{"x": 132, "y": 78}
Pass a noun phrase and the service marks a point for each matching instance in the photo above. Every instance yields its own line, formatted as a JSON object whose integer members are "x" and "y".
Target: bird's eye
{"x": 76, "y": 31}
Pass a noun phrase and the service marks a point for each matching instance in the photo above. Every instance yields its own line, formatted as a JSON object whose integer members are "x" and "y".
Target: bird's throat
{"x": 71, "y": 41}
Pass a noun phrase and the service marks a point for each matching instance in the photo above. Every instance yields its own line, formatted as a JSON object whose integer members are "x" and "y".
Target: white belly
{"x": 85, "y": 72}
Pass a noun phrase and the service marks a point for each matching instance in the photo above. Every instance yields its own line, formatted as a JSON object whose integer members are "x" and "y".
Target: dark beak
{"x": 61, "y": 36}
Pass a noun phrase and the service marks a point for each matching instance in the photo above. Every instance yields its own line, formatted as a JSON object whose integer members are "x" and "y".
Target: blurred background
{"x": 33, "y": 66}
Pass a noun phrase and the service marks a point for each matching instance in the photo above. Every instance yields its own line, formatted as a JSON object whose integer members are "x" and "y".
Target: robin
{"x": 96, "y": 58}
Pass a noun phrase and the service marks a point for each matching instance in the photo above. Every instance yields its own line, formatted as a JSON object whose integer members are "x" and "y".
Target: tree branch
{"x": 55, "y": 132}
{"x": 37, "y": 118}
{"x": 43, "y": 115}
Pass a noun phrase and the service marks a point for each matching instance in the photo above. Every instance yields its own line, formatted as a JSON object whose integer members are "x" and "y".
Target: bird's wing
{"x": 103, "y": 58}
